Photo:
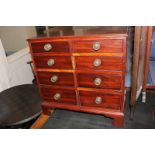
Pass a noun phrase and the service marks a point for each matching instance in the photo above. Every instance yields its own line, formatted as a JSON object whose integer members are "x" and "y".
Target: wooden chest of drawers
{"x": 82, "y": 73}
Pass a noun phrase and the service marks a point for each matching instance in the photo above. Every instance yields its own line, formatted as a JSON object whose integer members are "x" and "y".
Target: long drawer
{"x": 98, "y": 63}
{"x": 61, "y": 96}
{"x": 105, "y": 45}
{"x": 53, "y": 62}
{"x": 50, "y": 47}
{"x": 56, "y": 78}
{"x": 102, "y": 100}
{"x": 99, "y": 80}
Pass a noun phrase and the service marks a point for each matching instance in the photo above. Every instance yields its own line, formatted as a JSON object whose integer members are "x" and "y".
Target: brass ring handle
{"x": 47, "y": 47}
{"x": 98, "y": 100}
{"x": 57, "y": 96}
{"x": 97, "y": 62}
{"x": 50, "y": 62}
{"x": 54, "y": 78}
{"x": 97, "y": 81}
{"x": 96, "y": 46}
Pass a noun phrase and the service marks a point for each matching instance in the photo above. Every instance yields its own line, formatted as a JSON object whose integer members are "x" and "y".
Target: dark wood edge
{"x": 86, "y": 71}
{"x": 102, "y": 111}
{"x": 40, "y": 121}
{"x": 150, "y": 87}
{"x": 106, "y": 91}
{"x": 147, "y": 57}
{"x": 35, "y": 69}
{"x": 103, "y": 54}
{"x": 74, "y": 74}
{"x": 123, "y": 76}
{"x": 135, "y": 65}
{"x": 80, "y": 38}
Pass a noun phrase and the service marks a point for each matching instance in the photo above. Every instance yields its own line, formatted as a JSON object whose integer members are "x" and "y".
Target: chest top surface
{"x": 79, "y": 34}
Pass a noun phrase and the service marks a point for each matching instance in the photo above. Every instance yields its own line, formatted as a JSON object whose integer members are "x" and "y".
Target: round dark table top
{"x": 19, "y": 104}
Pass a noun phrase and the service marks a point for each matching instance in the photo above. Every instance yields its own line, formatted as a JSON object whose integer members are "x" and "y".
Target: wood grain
{"x": 107, "y": 63}
{"x": 60, "y": 62}
{"x": 100, "y": 54}
{"x": 100, "y": 35}
{"x": 135, "y": 65}
{"x": 111, "y": 101}
{"x": 58, "y": 47}
{"x": 142, "y": 57}
{"x": 107, "y": 72}
{"x": 107, "y": 45}
{"x": 147, "y": 57}
{"x": 40, "y": 121}
{"x": 107, "y": 81}
{"x": 67, "y": 96}
{"x": 122, "y": 102}
{"x": 97, "y": 110}
{"x": 63, "y": 79}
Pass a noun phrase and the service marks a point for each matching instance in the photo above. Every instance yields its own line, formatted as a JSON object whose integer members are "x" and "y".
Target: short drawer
{"x": 101, "y": 81}
{"x": 56, "y": 78}
{"x": 50, "y": 47}
{"x": 98, "y": 63}
{"x": 61, "y": 96}
{"x": 106, "y": 45}
{"x": 53, "y": 62}
{"x": 102, "y": 100}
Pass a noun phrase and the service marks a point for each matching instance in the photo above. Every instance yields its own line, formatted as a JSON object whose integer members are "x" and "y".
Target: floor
{"x": 143, "y": 119}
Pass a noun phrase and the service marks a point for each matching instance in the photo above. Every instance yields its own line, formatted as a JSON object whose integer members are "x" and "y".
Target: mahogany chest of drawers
{"x": 82, "y": 73}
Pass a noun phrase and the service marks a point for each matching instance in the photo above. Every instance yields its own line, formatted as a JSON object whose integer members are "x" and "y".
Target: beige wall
{"x": 14, "y": 37}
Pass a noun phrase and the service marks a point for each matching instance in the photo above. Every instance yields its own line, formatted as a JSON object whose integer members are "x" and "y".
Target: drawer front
{"x": 98, "y": 63}
{"x": 101, "y": 81}
{"x": 102, "y": 100}
{"x": 50, "y": 47}
{"x": 106, "y": 45}
{"x": 53, "y": 62}
{"x": 56, "y": 78}
{"x": 61, "y": 96}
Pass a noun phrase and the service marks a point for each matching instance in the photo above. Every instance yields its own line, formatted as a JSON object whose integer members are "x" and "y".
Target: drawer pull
{"x": 98, "y": 100}
{"x": 54, "y": 78}
{"x": 50, "y": 62}
{"x": 96, "y": 46}
{"x": 97, "y": 81}
{"x": 47, "y": 47}
{"x": 97, "y": 62}
{"x": 57, "y": 96}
